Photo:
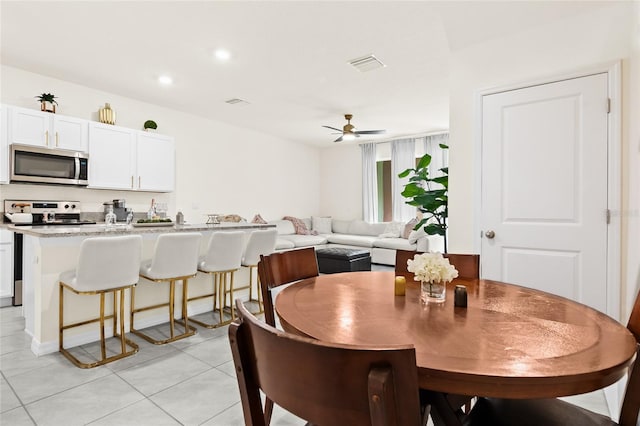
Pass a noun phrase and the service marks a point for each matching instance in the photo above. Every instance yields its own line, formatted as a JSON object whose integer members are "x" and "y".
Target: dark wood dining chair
{"x": 468, "y": 265}
{"x": 556, "y": 412}
{"x": 278, "y": 269}
{"x": 281, "y": 268}
{"x": 323, "y": 383}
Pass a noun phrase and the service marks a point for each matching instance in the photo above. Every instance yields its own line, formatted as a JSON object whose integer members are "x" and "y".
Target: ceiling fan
{"x": 349, "y": 131}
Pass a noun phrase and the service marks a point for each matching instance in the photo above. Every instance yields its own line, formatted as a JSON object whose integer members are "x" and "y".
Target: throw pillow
{"x": 322, "y": 225}
{"x": 409, "y": 227}
{"x": 299, "y": 226}
{"x": 414, "y": 236}
{"x": 392, "y": 230}
{"x": 258, "y": 219}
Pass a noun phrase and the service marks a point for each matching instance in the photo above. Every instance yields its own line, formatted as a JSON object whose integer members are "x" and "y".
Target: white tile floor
{"x": 188, "y": 382}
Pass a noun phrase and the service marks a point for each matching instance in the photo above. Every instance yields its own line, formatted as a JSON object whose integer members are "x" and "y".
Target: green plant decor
{"x": 150, "y": 124}
{"x": 47, "y": 97}
{"x": 429, "y": 195}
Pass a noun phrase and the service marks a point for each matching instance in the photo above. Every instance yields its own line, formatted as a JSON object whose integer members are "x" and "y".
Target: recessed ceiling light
{"x": 222, "y": 54}
{"x": 165, "y": 80}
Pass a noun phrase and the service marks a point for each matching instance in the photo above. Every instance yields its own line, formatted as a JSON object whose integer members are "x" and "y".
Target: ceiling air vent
{"x": 367, "y": 63}
{"x": 236, "y": 101}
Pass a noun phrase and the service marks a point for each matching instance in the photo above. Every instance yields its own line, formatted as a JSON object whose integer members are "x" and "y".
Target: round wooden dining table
{"x": 509, "y": 342}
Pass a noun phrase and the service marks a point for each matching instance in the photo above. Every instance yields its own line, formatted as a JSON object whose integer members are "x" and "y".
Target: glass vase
{"x": 433, "y": 291}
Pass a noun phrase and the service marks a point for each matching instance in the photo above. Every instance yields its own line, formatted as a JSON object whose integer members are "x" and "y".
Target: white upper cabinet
{"x": 121, "y": 158}
{"x": 111, "y": 157}
{"x": 44, "y": 129}
{"x": 70, "y": 133}
{"x": 156, "y": 162}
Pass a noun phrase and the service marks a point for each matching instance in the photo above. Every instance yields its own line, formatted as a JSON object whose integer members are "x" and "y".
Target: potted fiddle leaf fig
{"x": 429, "y": 195}
{"x": 47, "y": 102}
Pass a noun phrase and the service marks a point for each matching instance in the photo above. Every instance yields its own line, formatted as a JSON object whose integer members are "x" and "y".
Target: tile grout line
{"x": 24, "y": 407}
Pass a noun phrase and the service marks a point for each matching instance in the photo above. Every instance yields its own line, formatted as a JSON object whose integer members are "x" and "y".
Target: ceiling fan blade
{"x": 370, "y": 132}
{"x": 333, "y": 128}
{"x": 339, "y": 139}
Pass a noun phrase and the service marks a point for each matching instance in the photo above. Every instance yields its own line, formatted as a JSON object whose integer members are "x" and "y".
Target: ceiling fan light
{"x": 222, "y": 55}
{"x": 348, "y": 137}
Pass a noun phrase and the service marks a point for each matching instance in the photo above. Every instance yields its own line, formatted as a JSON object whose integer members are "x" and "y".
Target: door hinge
{"x": 608, "y": 105}
{"x": 608, "y": 214}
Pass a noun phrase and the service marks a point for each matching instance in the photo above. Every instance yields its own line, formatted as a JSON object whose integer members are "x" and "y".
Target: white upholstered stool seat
{"x": 261, "y": 242}
{"x": 175, "y": 258}
{"x": 222, "y": 260}
{"x": 105, "y": 265}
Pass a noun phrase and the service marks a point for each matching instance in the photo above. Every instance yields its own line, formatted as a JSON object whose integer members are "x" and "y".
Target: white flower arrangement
{"x": 432, "y": 267}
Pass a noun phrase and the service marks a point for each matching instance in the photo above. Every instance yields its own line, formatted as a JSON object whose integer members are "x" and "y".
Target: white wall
{"x": 219, "y": 168}
{"x": 341, "y": 188}
{"x": 567, "y": 46}
{"x": 553, "y": 49}
{"x": 563, "y": 47}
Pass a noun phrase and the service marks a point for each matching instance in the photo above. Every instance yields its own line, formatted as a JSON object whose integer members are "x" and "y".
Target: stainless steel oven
{"x": 43, "y": 213}
{"x": 31, "y": 164}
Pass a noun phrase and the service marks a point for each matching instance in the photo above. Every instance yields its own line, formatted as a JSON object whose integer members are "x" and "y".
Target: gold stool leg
{"x": 122, "y": 340}
{"x": 233, "y": 312}
{"x": 103, "y": 345}
{"x": 60, "y": 316}
{"x": 101, "y": 320}
{"x": 132, "y": 308}
{"x": 185, "y": 314}
{"x": 172, "y": 300}
{"x": 221, "y": 295}
{"x": 215, "y": 295}
{"x": 188, "y": 331}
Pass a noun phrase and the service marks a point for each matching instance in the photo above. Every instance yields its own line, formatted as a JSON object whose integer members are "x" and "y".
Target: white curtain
{"x": 439, "y": 156}
{"x": 403, "y": 156}
{"x": 369, "y": 182}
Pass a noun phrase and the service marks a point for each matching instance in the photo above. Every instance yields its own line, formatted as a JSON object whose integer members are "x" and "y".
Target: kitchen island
{"x": 51, "y": 250}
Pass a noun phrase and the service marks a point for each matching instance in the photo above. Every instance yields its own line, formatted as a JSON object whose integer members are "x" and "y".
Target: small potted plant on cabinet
{"x": 150, "y": 124}
{"x": 47, "y": 102}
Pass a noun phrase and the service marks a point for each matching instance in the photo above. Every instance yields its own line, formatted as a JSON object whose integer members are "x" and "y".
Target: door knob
{"x": 490, "y": 234}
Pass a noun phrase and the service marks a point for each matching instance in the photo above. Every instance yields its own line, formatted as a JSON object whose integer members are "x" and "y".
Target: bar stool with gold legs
{"x": 105, "y": 265}
{"x": 222, "y": 260}
{"x": 175, "y": 258}
{"x": 262, "y": 242}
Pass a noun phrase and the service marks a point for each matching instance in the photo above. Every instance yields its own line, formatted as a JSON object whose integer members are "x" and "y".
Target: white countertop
{"x": 100, "y": 229}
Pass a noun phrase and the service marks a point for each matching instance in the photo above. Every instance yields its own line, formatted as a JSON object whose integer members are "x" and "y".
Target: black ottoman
{"x": 340, "y": 259}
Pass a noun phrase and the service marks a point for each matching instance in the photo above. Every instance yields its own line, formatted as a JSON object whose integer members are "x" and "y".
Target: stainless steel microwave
{"x": 32, "y": 164}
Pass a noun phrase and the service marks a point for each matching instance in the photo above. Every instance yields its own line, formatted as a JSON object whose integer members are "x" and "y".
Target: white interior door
{"x": 544, "y": 188}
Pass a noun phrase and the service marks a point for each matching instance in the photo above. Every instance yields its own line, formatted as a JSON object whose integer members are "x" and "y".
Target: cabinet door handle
{"x": 56, "y": 139}
{"x": 46, "y": 137}
{"x": 131, "y": 181}
{"x": 139, "y": 181}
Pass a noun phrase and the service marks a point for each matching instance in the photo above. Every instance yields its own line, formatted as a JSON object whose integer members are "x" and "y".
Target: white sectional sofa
{"x": 382, "y": 239}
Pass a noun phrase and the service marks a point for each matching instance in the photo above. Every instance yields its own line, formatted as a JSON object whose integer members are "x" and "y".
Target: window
{"x": 384, "y": 176}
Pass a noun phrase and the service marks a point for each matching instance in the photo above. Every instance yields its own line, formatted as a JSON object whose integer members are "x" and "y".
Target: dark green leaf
{"x": 405, "y": 173}
{"x": 424, "y": 161}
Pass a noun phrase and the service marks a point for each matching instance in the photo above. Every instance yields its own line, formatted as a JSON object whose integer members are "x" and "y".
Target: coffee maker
{"x": 119, "y": 208}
